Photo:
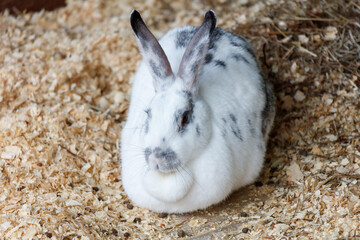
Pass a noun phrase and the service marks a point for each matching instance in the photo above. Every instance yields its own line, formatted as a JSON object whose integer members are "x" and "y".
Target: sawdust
{"x": 65, "y": 79}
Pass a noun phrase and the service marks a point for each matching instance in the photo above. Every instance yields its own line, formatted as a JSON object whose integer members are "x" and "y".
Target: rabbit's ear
{"x": 195, "y": 52}
{"x": 152, "y": 52}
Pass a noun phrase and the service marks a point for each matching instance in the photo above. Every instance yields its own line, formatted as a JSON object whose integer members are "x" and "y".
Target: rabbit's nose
{"x": 161, "y": 159}
{"x": 165, "y": 154}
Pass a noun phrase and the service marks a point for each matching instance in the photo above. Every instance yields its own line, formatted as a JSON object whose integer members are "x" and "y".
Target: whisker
{"x": 191, "y": 175}
{"x": 182, "y": 176}
{"x": 134, "y": 161}
{"x": 134, "y": 145}
{"x": 130, "y": 128}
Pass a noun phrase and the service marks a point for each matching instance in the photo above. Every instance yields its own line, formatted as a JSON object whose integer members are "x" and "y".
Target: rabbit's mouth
{"x": 168, "y": 187}
{"x": 163, "y": 160}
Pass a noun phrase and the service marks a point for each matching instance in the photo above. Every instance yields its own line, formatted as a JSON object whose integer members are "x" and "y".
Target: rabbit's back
{"x": 230, "y": 80}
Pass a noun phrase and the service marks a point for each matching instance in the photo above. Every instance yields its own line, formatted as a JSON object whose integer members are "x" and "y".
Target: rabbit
{"x": 199, "y": 118}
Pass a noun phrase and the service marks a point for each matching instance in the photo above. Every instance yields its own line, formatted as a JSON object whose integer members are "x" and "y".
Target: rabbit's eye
{"x": 184, "y": 119}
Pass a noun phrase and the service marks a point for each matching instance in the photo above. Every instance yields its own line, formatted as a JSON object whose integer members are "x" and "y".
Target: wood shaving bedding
{"x": 65, "y": 80}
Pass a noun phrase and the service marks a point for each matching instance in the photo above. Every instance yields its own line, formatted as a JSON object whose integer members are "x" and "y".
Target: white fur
{"x": 213, "y": 165}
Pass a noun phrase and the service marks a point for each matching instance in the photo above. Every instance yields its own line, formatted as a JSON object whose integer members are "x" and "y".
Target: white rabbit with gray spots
{"x": 199, "y": 118}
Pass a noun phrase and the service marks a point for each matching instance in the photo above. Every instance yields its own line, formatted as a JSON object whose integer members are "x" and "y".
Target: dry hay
{"x": 64, "y": 90}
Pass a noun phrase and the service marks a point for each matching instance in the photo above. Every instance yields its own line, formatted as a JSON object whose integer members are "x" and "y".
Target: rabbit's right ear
{"x": 152, "y": 52}
{"x": 195, "y": 52}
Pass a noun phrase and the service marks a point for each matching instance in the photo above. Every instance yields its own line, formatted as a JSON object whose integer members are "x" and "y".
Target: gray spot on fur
{"x": 183, "y": 38}
{"x": 236, "y": 131}
{"x": 239, "y": 41}
{"x": 148, "y": 112}
{"x": 232, "y": 117}
{"x": 156, "y": 68}
{"x": 146, "y": 126}
{"x": 223, "y": 130}
{"x": 208, "y": 58}
{"x": 149, "y": 116}
{"x": 189, "y": 99}
{"x": 198, "y": 133}
{"x": 239, "y": 57}
{"x": 194, "y": 68}
{"x": 188, "y": 95}
{"x": 220, "y": 63}
{"x": 234, "y": 127}
{"x": 201, "y": 49}
{"x": 190, "y": 53}
{"x": 252, "y": 128}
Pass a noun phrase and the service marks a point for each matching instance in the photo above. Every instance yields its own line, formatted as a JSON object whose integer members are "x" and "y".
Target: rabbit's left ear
{"x": 152, "y": 52}
{"x": 193, "y": 59}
